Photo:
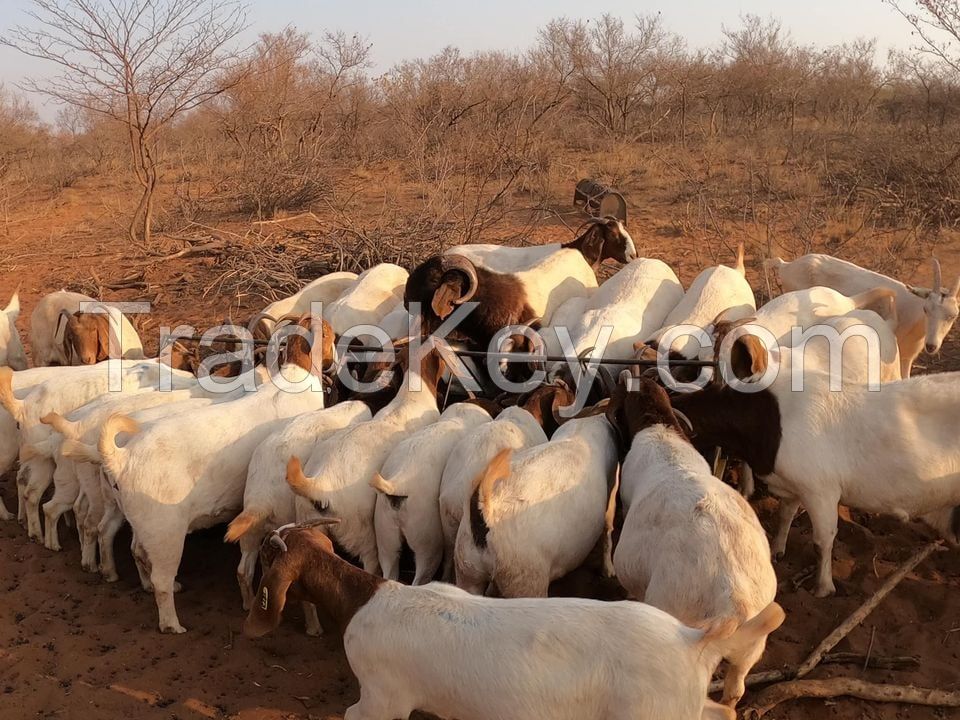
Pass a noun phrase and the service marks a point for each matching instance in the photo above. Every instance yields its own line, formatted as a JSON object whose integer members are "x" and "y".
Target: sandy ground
{"x": 74, "y": 647}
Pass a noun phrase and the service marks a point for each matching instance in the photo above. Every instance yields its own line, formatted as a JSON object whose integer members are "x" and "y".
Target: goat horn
{"x": 320, "y": 521}
{"x": 256, "y": 319}
{"x": 684, "y": 419}
{"x": 598, "y": 409}
{"x": 936, "y": 275}
{"x": 58, "y": 334}
{"x": 461, "y": 264}
{"x": 277, "y": 541}
{"x": 607, "y": 381}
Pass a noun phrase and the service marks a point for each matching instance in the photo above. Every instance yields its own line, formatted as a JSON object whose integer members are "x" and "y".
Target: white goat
{"x": 177, "y": 476}
{"x": 396, "y": 323}
{"x": 268, "y": 501}
{"x": 438, "y": 649}
{"x": 690, "y": 544}
{"x": 805, "y": 308}
{"x": 336, "y": 477}
{"x": 21, "y": 383}
{"x": 633, "y": 303}
{"x": 893, "y": 451}
{"x": 543, "y": 520}
{"x": 716, "y": 290}
{"x": 408, "y": 488}
{"x": 76, "y": 425}
{"x": 99, "y": 518}
{"x": 376, "y": 292}
{"x": 514, "y": 428}
{"x": 62, "y": 393}
{"x": 925, "y": 316}
{"x": 11, "y": 349}
{"x": 324, "y": 290}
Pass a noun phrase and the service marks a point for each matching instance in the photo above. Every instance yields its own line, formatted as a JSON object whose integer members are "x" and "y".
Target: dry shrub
{"x": 900, "y": 177}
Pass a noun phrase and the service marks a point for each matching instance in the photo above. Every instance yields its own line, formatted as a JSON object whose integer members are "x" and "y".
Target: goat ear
{"x": 563, "y": 397}
{"x": 445, "y": 298}
{"x": 102, "y": 323}
{"x": 593, "y": 244}
{"x": 268, "y": 605}
{"x": 922, "y": 293}
{"x": 956, "y": 288}
{"x": 12, "y": 309}
{"x": 748, "y": 358}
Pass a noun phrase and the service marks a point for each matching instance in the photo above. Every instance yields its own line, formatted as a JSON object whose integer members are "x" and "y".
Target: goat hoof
{"x": 314, "y": 632}
{"x": 173, "y": 629}
{"x": 825, "y": 591}
{"x": 110, "y": 577}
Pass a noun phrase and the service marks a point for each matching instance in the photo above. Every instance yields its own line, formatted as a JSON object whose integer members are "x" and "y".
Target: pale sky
{"x": 401, "y": 30}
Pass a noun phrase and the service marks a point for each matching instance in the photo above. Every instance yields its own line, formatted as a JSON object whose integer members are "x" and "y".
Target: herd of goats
{"x": 500, "y": 495}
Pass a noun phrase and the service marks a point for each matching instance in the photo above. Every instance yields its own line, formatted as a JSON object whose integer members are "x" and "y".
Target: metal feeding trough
{"x": 599, "y": 200}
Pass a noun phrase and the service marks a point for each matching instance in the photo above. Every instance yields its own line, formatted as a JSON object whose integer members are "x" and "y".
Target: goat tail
{"x": 112, "y": 457}
{"x": 739, "y": 267}
{"x": 242, "y": 524}
{"x": 63, "y": 426}
{"x": 883, "y": 301}
{"x": 386, "y": 488}
{"x": 379, "y": 483}
{"x": 298, "y": 482}
{"x": 7, "y": 398}
{"x": 80, "y": 451}
{"x": 732, "y": 642}
{"x": 496, "y": 470}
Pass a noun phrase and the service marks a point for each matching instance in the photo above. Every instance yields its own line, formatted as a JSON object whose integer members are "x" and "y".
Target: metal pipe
{"x": 507, "y": 356}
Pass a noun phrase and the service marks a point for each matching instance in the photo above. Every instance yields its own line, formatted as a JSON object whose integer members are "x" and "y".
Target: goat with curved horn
{"x": 458, "y": 263}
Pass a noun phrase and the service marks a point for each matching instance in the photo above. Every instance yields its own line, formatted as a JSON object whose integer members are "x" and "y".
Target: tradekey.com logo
{"x": 822, "y": 348}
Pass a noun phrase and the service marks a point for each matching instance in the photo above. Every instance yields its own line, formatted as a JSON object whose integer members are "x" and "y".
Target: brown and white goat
{"x": 690, "y": 545}
{"x": 892, "y": 451}
{"x": 444, "y": 282}
{"x": 63, "y": 331}
{"x": 602, "y": 239}
{"x": 438, "y": 649}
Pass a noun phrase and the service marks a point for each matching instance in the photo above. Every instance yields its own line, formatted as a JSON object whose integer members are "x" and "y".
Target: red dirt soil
{"x": 72, "y": 646}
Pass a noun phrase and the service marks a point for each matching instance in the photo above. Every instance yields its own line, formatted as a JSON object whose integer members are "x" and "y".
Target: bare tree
{"x": 937, "y": 24}
{"x": 143, "y": 63}
{"x": 283, "y": 115}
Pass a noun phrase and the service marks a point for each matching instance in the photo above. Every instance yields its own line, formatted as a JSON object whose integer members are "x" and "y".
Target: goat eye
{"x": 321, "y": 506}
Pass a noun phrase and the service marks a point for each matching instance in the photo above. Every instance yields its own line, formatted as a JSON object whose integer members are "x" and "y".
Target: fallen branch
{"x": 186, "y": 252}
{"x": 860, "y": 614}
{"x": 835, "y": 687}
{"x": 906, "y": 662}
{"x": 842, "y": 630}
{"x": 897, "y": 662}
{"x": 280, "y": 221}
